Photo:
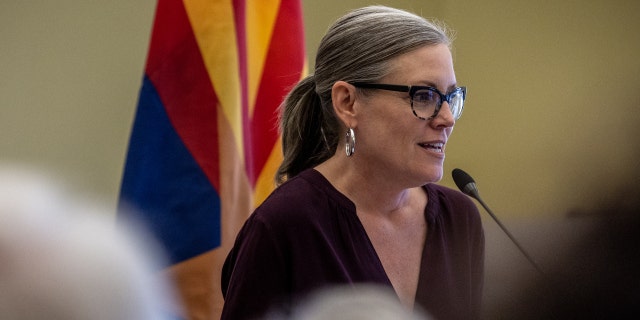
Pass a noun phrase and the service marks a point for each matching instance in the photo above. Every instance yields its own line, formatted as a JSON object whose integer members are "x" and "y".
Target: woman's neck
{"x": 369, "y": 191}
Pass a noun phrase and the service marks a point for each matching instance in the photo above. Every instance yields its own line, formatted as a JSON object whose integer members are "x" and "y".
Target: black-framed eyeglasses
{"x": 425, "y": 101}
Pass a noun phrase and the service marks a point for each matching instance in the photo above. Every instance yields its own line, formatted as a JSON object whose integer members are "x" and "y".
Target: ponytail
{"x": 307, "y": 140}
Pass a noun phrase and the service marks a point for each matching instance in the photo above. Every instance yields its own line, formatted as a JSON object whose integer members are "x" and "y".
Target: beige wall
{"x": 70, "y": 72}
{"x": 553, "y": 117}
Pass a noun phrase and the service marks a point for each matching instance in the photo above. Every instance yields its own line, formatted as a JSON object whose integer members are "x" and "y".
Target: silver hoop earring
{"x": 351, "y": 143}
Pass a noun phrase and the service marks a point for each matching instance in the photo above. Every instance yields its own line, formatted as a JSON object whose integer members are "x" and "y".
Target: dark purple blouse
{"x": 307, "y": 236}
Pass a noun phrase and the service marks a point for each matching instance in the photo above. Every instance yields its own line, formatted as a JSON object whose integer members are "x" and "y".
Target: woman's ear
{"x": 343, "y": 96}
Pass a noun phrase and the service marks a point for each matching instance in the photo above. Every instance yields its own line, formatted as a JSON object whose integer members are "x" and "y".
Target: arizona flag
{"x": 204, "y": 145}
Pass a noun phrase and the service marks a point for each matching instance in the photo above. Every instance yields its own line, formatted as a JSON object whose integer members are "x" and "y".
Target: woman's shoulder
{"x": 307, "y": 187}
{"x": 447, "y": 194}
{"x": 306, "y": 195}
{"x": 447, "y": 202}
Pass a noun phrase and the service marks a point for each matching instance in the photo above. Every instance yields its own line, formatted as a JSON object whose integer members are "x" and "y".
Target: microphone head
{"x": 461, "y": 178}
{"x": 465, "y": 183}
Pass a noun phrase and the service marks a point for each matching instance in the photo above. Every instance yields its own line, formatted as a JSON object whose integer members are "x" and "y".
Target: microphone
{"x": 467, "y": 185}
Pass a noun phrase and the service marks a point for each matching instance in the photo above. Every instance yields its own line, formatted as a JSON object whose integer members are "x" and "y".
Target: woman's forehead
{"x": 428, "y": 65}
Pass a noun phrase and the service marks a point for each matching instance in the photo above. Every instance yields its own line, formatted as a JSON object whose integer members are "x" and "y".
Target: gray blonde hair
{"x": 357, "y": 47}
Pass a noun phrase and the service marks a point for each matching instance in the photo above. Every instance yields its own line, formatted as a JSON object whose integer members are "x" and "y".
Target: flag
{"x": 204, "y": 146}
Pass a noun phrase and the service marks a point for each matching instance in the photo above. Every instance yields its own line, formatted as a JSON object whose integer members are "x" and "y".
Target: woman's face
{"x": 391, "y": 139}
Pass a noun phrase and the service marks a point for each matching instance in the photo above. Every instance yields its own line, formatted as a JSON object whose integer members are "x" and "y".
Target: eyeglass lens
{"x": 427, "y": 102}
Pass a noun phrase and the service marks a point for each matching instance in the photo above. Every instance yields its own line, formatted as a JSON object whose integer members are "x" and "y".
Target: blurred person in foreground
{"x": 364, "y": 140}
{"x": 62, "y": 256}
{"x": 597, "y": 276}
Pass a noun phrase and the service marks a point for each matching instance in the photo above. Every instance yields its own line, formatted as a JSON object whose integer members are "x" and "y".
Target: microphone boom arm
{"x": 467, "y": 185}
{"x": 513, "y": 239}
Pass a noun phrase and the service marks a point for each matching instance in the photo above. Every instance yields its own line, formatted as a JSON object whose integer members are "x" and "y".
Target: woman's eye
{"x": 424, "y": 96}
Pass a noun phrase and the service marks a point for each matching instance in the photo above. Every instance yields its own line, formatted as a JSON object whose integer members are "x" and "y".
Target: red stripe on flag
{"x": 282, "y": 70}
{"x": 177, "y": 70}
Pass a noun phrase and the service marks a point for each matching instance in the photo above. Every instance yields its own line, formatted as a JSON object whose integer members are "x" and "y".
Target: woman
{"x": 364, "y": 210}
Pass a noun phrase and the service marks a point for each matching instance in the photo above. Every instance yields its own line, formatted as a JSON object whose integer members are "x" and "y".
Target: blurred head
{"x": 362, "y": 46}
{"x": 353, "y": 302}
{"x": 62, "y": 257}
